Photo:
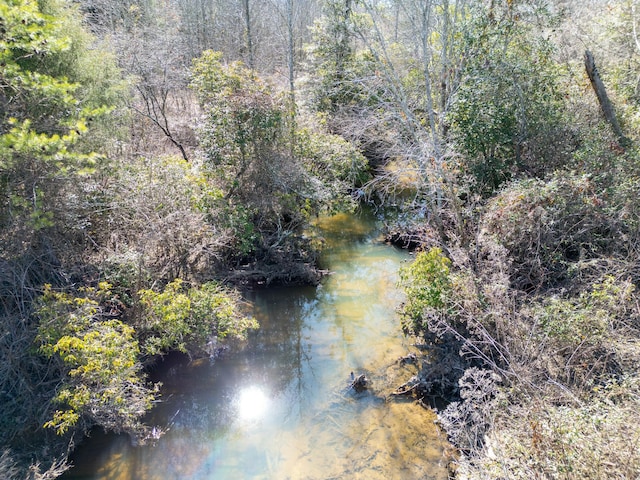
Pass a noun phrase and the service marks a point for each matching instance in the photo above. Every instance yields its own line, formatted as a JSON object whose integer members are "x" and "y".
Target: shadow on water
{"x": 282, "y": 408}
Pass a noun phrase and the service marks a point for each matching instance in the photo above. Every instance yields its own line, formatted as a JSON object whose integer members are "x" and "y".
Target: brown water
{"x": 282, "y": 409}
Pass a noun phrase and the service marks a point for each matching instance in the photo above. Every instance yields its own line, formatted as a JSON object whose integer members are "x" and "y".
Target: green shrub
{"x": 46, "y": 111}
{"x": 272, "y": 175}
{"x": 427, "y": 284}
{"x": 570, "y": 324}
{"x": 587, "y": 319}
{"x": 338, "y": 165}
{"x": 190, "y": 319}
{"x": 507, "y": 114}
{"x": 102, "y": 379}
{"x": 577, "y": 337}
{"x": 244, "y": 136}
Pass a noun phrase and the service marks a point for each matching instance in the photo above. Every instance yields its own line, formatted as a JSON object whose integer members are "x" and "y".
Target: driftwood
{"x": 603, "y": 99}
{"x": 408, "y": 387}
{"x": 359, "y": 383}
{"x": 410, "y": 359}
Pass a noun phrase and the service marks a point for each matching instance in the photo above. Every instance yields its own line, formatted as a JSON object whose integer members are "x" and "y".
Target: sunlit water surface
{"x": 282, "y": 409}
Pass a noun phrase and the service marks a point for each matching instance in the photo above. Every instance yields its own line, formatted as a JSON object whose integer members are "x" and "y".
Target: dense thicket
{"x": 488, "y": 137}
{"x": 115, "y": 250}
{"x": 183, "y": 148}
{"x": 52, "y": 95}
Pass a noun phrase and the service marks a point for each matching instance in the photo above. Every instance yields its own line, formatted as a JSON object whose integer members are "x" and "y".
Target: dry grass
{"x": 534, "y": 426}
{"x": 595, "y": 439}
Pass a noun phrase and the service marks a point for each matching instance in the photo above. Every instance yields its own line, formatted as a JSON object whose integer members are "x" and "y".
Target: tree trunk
{"x": 603, "y": 99}
{"x": 290, "y": 47}
{"x": 292, "y": 74}
{"x": 344, "y": 38}
{"x": 249, "y": 39}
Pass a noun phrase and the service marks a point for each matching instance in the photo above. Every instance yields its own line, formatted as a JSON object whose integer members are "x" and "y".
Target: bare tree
{"x": 160, "y": 62}
{"x": 288, "y": 34}
{"x": 291, "y": 47}
{"x": 411, "y": 110}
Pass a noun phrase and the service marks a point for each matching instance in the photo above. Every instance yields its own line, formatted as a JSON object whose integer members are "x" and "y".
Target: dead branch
{"x": 408, "y": 387}
{"x": 603, "y": 99}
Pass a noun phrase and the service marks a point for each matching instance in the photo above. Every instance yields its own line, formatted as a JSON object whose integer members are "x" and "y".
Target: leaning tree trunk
{"x": 605, "y": 104}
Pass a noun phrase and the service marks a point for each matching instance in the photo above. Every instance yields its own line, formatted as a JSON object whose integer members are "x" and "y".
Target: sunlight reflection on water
{"x": 252, "y": 403}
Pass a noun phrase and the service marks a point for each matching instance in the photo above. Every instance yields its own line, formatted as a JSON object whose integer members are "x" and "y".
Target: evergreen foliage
{"x": 506, "y": 116}
{"x": 48, "y": 99}
{"x": 427, "y": 284}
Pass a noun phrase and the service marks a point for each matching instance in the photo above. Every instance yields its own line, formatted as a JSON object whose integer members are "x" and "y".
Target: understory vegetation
{"x": 157, "y": 158}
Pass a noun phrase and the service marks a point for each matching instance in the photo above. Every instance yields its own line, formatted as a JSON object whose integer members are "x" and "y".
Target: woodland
{"x": 158, "y": 157}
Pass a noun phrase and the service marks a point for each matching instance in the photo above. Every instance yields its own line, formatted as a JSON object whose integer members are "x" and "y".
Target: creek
{"x": 281, "y": 408}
